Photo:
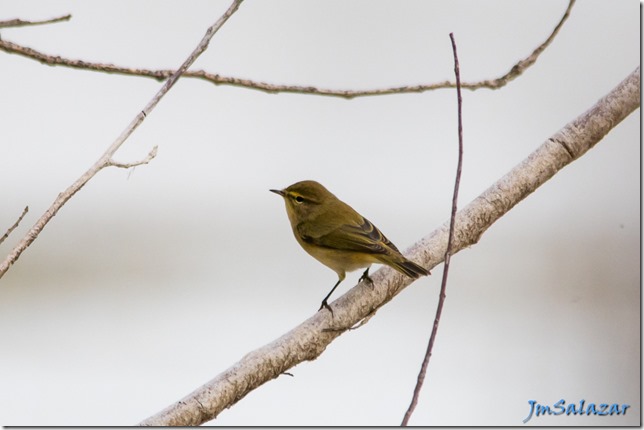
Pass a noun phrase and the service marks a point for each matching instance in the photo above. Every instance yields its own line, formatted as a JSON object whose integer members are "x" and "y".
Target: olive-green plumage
{"x": 338, "y": 236}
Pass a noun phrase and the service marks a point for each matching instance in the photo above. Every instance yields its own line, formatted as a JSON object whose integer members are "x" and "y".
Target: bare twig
{"x": 106, "y": 159}
{"x": 308, "y": 340}
{"x": 146, "y": 160}
{"x": 20, "y": 23}
{"x": 522, "y": 65}
{"x": 217, "y": 79}
{"x": 13, "y": 227}
{"x": 448, "y": 250}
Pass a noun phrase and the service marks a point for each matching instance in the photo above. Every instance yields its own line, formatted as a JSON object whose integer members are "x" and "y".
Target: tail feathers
{"x": 410, "y": 269}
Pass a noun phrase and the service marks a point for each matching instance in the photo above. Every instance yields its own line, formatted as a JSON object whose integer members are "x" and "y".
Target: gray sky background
{"x": 150, "y": 282}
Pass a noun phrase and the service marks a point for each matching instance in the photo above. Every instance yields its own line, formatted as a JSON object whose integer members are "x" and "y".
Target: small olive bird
{"x": 338, "y": 236}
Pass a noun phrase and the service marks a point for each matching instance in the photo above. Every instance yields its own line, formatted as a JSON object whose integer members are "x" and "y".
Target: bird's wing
{"x": 360, "y": 237}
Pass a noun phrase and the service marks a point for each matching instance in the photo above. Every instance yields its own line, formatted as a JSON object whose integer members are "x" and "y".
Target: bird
{"x": 337, "y": 236}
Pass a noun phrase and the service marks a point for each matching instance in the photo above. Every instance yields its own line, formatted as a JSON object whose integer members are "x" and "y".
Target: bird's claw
{"x": 326, "y": 305}
{"x": 365, "y": 277}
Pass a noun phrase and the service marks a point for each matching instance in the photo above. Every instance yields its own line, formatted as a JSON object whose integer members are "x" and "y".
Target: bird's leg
{"x": 324, "y": 302}
{"x": 365, "y": 277}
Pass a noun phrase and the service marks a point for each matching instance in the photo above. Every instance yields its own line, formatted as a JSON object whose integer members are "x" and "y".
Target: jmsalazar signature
{"x": 580, "y": 408}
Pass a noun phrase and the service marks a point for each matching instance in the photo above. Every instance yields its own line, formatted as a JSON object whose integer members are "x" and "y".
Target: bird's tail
{"x": 410, "y": 268}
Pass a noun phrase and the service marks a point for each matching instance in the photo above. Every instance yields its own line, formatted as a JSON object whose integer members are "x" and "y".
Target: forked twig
{"x": 516, "y": 70}
{"x": 106, "y": 159}
{"x": 448, "y": 250}
{"x": 146, "y": 160}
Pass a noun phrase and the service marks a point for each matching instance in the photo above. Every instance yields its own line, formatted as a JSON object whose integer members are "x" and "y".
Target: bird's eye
{"x": 299, "y": 199}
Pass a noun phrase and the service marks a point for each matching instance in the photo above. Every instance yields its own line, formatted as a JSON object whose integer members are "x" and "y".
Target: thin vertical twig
{"x": 448, "y": 251}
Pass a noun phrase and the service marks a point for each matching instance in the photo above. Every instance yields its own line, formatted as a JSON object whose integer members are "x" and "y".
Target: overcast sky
{"x": 150, "y": 282}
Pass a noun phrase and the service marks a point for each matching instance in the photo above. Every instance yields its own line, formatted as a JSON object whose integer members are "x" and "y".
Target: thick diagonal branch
{"x": 308, "y": 340}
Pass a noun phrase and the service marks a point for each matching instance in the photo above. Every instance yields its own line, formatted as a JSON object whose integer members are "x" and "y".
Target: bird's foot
{"x": 365, "y": 277}
{"x": 326, "y": 305}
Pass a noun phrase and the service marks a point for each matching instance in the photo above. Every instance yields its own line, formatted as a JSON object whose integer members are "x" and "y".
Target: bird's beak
{"x": 280, "y": 192}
